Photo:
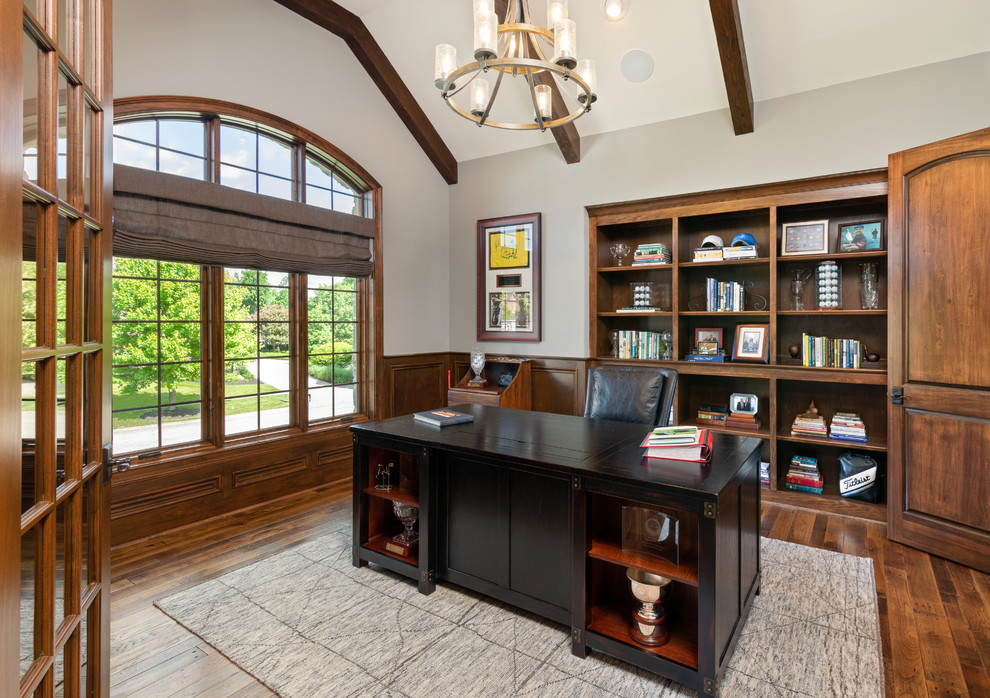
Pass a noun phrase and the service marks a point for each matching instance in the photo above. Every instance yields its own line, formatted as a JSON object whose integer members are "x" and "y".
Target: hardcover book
{"x": 699, "y": 451}
{"x": 442, "y": 418}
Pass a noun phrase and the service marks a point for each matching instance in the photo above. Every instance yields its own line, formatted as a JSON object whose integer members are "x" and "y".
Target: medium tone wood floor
{"x": 934, "y": 615}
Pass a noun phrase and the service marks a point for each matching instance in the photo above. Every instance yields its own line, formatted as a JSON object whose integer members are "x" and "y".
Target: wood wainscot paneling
{"x": 415, "y": 382}
{"x": 559, "y": 385}
{"x": 156, "y": 497}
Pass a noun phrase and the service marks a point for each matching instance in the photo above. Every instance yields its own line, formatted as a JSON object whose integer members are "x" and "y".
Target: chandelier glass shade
{"x": 517, "y": 48}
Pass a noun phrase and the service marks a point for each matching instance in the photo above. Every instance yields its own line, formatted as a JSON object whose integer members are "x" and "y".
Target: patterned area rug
{"x": 306, "y": 623}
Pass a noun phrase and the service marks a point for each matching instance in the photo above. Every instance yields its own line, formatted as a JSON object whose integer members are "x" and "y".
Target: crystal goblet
{"x": 407, "y": 515}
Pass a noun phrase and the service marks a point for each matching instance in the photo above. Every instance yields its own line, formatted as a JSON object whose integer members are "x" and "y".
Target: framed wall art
{"x": 509, "y": 292}
{"x": 810, "y": 237}
{"x": 861, "y": 237}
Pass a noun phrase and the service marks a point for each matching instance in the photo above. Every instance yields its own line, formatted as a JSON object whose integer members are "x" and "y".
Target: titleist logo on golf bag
{"x": 859, "y": 481}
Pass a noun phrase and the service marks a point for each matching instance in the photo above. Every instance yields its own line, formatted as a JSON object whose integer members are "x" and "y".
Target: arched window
{"x": 210, "y": 353}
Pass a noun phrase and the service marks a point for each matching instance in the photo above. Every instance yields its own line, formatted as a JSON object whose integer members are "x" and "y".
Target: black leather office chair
{"x": 630, "y": 394}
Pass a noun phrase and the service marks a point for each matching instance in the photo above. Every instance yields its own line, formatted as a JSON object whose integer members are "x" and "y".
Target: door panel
{"x": 54, "y": 514}
{"x": 939, "y": 199}
{"x": 953, "y": 491}
{"x": 945, "y": 271}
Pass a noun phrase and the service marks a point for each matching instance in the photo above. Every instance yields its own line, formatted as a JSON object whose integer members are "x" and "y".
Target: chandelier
{"x": 516, "y": 47}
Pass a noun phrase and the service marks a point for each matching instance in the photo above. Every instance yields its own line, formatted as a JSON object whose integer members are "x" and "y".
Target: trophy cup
{"x": 619, "y": 250}
{"x": 477, "y": 365}
{"x": 649, "y": 626}
{"x": 405, "y": 543}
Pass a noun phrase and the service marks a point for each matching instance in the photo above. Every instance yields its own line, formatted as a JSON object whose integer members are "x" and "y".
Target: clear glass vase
{"x": 869, "y": 286}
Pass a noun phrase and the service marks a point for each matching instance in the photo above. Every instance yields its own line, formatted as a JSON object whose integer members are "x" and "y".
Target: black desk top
{"x": 571, "y": 445}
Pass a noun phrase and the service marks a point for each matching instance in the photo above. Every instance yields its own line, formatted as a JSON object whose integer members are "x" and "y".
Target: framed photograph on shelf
{"x": 809, "y": 237}
{"x": 708, "y": 334}
{"x": 509, "y": 292}
{"x": 743, "y": 403}
{"x": 752, "y": 343}
{"x": 861, "y": 237}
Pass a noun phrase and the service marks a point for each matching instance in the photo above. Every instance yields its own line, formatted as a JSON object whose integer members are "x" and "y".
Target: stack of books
{"x": 806, "y": 425}
{"x": 708, "y": 254}
{"x": 739, "y": 252}
{"x": 724, "y": 296}
{"x": 679, "y": 443}
{"x": 651, "y": 253}
{"x": 713, "y": 415}
{"x": 804, "y": 476}
{"x": 847, "y": 426}
{"x": 742, "y": 421}
{"x": 764, "y": 475}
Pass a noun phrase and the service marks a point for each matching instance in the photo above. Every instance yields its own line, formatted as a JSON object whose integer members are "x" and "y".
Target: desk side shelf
{"x": 375, "y": 521}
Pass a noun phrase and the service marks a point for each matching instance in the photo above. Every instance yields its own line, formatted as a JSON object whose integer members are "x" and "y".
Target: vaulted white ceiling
{"x": 792, "y": 46}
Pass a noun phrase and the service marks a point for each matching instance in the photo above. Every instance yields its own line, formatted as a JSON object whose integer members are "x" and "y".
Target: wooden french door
{"x": 939, "y": 276}
{"x": 55, "y": 251}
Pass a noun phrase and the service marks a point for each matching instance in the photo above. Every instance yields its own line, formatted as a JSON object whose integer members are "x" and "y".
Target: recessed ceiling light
{"x": 636, "y": 65}
{"x": 615, "y": 9}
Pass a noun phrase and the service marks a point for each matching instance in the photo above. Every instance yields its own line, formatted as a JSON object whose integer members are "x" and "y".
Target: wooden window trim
{"x": 370, "y": 313}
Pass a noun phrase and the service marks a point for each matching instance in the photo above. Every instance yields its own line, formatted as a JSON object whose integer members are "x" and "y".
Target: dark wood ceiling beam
{"x": 352, "y": 30}
{"x": 567, "y": 136}
{"x": 732, "y": 52}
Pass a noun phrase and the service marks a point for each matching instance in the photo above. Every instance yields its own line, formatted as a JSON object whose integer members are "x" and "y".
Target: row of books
{"x": 633, "y": 344}
{"x": 724, "y": 295}
{"x": 825, "y": 352}
{"x": 651, "y": 253}
{"x": 764, "y": 475}
{"x": 803, "y": 475}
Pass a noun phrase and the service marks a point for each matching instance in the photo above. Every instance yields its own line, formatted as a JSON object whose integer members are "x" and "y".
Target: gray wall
{"x": 843, "y": 128}
{"x": 250, "y": 52}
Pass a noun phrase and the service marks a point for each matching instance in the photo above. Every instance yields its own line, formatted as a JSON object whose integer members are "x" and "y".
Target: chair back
{"x": 630, "y": 394}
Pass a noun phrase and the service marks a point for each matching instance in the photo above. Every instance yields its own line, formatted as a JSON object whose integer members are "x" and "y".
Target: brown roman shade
{"x": 177, "y": 219}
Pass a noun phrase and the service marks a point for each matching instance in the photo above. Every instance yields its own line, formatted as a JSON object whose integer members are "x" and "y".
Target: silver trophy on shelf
{"x": 649, "y": 626}
{"x": 406, "y": 542}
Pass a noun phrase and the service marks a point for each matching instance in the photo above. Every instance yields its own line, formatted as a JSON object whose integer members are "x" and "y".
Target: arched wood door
{"x": 55, "y": 247}
{"x": 939, "y": 435}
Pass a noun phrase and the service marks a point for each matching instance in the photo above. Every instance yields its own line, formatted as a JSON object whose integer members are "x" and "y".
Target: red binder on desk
{"x": 698, "y": 451}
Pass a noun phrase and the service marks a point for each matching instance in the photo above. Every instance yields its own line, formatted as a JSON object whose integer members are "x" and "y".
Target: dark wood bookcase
{"x": 783, "y": 385}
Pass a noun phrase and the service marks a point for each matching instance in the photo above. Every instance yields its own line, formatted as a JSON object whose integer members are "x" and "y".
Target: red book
{"x": 697, "y": 452}
{"x": 807, "y": 481}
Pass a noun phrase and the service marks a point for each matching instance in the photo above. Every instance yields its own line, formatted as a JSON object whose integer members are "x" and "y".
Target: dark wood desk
{"x": 526, "y": 507}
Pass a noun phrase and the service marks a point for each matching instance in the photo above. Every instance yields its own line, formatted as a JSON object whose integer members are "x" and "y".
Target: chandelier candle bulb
{"x": 444, "y": 64}
{"x": 556, "y": 12}
{"x": 588, "y": 72}
{"x": 480, "y": 90}
{"x": 543, "y": 101}
{"x": 565, "y": 43}
{"x": 485, "y": 36}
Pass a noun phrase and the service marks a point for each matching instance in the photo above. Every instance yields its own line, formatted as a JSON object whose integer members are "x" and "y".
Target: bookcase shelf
{"x": 785, "y": 387}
